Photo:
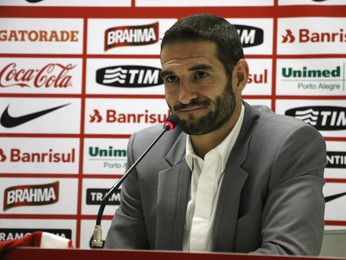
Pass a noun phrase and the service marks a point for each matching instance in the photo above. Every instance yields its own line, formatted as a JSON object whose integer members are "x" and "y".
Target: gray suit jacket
{"x": 270, "y": 201}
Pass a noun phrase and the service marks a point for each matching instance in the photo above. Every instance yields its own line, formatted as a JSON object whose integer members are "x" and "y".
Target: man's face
{"x": 197, "y": 88}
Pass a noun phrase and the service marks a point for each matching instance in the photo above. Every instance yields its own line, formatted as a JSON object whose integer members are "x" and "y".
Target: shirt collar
{"x": 224, "y": 148}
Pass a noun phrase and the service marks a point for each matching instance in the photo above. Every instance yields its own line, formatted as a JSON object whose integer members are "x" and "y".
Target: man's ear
{"x": 240, "y": 75}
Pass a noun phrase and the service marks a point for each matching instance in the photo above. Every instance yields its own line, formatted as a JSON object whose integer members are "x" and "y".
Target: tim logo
{"x": 250, "y": 36}
{"x": 129, "y": 76}
{"x": 131, "y": 35}
{"x": 327, "y": 118}
{"x": 31, "y": 195}
{"x": 336, "y": 160}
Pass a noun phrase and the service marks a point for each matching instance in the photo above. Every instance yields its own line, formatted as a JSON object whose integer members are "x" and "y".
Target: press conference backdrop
{"x": 77, "y": 77}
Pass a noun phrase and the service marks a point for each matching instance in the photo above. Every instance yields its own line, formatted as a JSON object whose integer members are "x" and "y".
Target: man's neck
{"x": 202, "y": 144}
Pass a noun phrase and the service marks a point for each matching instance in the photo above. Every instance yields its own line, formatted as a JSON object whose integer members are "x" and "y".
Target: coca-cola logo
{"x": 52, "y": 75}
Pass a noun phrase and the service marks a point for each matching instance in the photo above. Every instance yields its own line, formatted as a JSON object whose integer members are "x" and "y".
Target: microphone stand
{"x": 96, "y": 240}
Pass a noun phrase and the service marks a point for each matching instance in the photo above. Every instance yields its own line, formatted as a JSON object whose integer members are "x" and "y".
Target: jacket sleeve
{"x": 293, "y": 216}
{"x": 128, "y": 229}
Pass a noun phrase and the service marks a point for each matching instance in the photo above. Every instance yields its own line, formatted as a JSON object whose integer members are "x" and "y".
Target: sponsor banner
{"x": 312, "y": 2}
{"x": 87, "y": 230}
{"x": 336, "y": 157}
{"x": 11, "y": 229}
{"x": 191, "y": 3}
{"x": 41, "y": 36}
{"x": 335, "y": 194}
{"x": 311, "y": 35}
{"x": 38, "y": 196}
{"x": 53, "y": 155}
{"x": 313, "y": 77}
{"x": 256, "y": 35}
{"x": 63, "y": 3}
{"x": 124, "y": 76}
{"x": 40, "y": 115}
{"x": 126, "y": 36}
{"x": 46, "y": 76}
{"x": 105, "y": 156}
{"x": 122, "y": 115}
{"x": 260, "y": 78}
{"x": 94, "y": 191}
{"x": 327, "y": 116}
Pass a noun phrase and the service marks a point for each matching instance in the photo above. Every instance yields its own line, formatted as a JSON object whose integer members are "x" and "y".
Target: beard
{"x": 224, "y": 106}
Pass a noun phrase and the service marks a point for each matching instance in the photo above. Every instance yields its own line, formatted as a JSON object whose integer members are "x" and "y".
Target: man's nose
{"x": 187, "y": 92}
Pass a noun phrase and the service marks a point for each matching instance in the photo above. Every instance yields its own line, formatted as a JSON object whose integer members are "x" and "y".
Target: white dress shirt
{"x": 206, "y": 177}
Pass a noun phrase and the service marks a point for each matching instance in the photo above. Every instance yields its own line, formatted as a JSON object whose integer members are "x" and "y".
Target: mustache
{"x": 193, "y": 102}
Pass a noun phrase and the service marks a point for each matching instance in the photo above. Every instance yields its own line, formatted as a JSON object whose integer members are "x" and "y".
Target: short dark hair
{"x": 208, "y": 27}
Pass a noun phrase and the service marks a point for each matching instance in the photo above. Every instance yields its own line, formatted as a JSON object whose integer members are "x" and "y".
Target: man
{"x": 231, "y": 177}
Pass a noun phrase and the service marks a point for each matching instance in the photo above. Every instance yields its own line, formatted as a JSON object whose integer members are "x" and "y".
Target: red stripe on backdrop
{"x": 171, "y": 12}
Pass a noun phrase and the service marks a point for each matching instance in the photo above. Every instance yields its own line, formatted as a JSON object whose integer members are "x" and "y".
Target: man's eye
{"x": 201, "y": 75}
{"x": 171, "y": 79}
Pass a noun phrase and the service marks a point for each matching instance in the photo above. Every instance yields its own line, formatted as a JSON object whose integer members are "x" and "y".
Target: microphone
{"x": 96, "y": 240}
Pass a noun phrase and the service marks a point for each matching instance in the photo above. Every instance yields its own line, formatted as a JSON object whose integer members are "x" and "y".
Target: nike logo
{"x": 9, "y": 121}
{"x": 333, "y": 197}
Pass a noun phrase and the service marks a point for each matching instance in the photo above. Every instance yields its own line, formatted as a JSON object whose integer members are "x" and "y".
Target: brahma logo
{"x": 131, "y": 35}
{"x": 129, "y": 76}
{"x": 95, "y": 197}
{"x": 336, "y": 160}
{"x": 308, "y": 36}
{"x": 112, "y": 116}
{"x": 328, "y": 118}
{"x": 31, "y": 195}
{"x": 250, "y": 36}
{"x": 52, "y": 75}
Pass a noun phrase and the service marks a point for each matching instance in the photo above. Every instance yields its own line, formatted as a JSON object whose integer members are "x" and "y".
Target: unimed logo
{"x": 131, "y": 35}
{"x": 95, "y": 197}
{"x": 336, "y": 160}
{"x": 250, "y": 36}
{"x": 31, "y": 195}
{"x": 19, "y": 233}
{"x": 328, "y": 118}
{"x": 129, "y": 76}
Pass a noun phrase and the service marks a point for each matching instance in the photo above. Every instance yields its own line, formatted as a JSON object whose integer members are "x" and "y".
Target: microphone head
{"x": 171, "y": 122}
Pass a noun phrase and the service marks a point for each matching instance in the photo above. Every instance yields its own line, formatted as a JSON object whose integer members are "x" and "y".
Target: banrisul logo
{"x": 250, "y": 36}
{"x": 307, "y": 78}
{"x": 336, "y": 160}
{"x": 131, "y": 35}
{"x": 129, "y": 76}
{"x": 310, "y": 36}
{"x": 325, "y": 118}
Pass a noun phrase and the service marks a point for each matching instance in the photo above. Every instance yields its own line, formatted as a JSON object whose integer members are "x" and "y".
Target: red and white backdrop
{"x": 77, "y": 77}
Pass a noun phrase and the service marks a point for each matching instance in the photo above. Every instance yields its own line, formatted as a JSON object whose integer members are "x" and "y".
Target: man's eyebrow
{"x": 164, "y": 73}
{"x": 201, "y": 67}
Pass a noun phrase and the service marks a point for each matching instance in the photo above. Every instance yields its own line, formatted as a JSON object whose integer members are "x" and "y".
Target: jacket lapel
{"x": 226, "y": 215}
{"x": 173, "y": 195}
{"x": 174, "y": 187}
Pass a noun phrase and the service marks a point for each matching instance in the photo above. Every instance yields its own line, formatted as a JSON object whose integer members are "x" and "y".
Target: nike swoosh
{"x": 333, "y": 197}
{"x": 9, "y": 121}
